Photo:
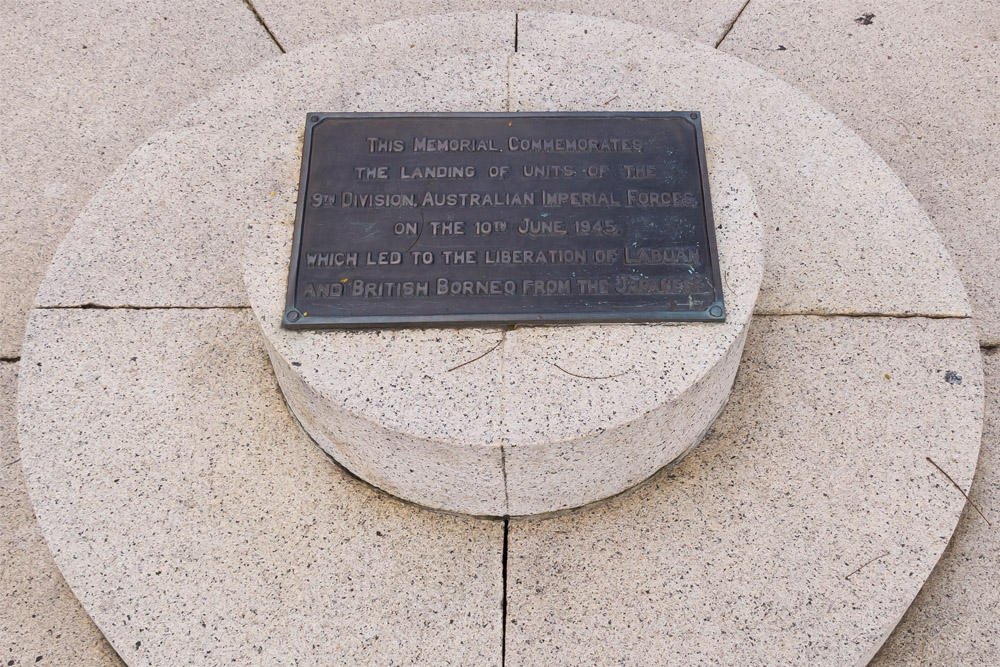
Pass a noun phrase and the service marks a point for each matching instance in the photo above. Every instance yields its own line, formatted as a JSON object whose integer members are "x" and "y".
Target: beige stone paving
{"x": 298, "y": 22}
{"x": 745, "y": 552}
{"x": 954, "y": 619}
{"x": 82, "y": 84}
{"x": 858, "y": 243}
{"x": 200, "y": 526}
{"x": 41, "y": 621}
{"x": 920, "y": 84}
{"x": 168, "y": 227}
{"x": 842, "y": 234}
{"x": 57, "y": 198}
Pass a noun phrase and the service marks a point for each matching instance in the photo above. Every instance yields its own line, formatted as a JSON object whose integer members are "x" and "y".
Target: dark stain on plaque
{"x": 502, "y": 219}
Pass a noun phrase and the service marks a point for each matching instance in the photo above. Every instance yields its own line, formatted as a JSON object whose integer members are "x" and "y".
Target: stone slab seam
{"x": 507, "y": 104}
{"x": 757, "y": 313}
{"x": 726, "y": 29}
{"x": 98, "y": 306}
{"x": 503, "y": 596}
{"x": 501, "y": 417}
{"x": 263, "y": 23}
{"x": 869, "y": 314}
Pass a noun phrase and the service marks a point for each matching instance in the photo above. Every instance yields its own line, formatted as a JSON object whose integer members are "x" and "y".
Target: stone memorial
{"x": 513, "y": 219}
{"x": 504, "y": 278}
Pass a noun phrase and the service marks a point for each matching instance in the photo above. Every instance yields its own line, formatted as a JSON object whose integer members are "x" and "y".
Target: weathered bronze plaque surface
{"x": 505, "y": 218}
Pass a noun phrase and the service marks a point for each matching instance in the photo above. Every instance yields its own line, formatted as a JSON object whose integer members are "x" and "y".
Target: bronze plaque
{"x": 502, "y": 218}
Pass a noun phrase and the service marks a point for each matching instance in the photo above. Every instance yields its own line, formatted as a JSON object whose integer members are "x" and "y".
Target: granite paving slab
{"x": 198, "y": 525}
{"x": 800, "y": 529}
{"x": 167, "y": 228}
{"x": 399, "y": 408}
{"x": 954, "y": 619}
{"x": 918, "y": 81}
{"x": 842, "y": 235}
{"x": 41, "y": 621}
{"x": 83, "y": 84}
{"x": 592, "y": 410}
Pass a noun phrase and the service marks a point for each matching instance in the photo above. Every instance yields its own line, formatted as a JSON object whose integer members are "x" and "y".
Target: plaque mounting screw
{"x": 715, "y": 311}
{"x": 292, "y": 316}
{"x": 315, "y": 118}
{"x": 694, "y": 116}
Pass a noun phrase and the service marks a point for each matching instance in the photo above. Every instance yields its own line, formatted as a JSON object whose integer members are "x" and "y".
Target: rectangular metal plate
{"x": 502, "y": 218}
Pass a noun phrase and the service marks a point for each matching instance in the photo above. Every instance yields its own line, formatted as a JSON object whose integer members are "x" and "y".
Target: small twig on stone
{"x": 961, "y": 491}
{"x": 590, "y": 377}
{"x": 905, "y": 126}
{"x": 503, "y": 337}
{"x": 866, "y": 564}
{"x": 725, "y": 278}
{"x": 611, "y": 100}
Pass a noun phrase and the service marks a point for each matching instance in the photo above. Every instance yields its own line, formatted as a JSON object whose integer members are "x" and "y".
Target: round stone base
{"x": 521, "y": 420}
{"x": 198, "y": 525}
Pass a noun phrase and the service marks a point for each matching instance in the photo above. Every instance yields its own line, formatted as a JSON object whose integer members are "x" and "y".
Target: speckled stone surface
{"x": 198, "y": 525}
{"x": 626, "y": 568}
{"x": 517, "y": 431}
{"x": 186, "y": 251}
{"x": 842, "y": 233}
{"x": 41, "y": 623}
{"x": 383, "y": 403}
{"x": 386, "y": 404}
{"x": 589, "y": 411}
{"x": 748, "y": 551}
{"x": 918, "y": 81}
{"x": 954, "y": 619}
{"x": 166, "y": 228}
{"x": 83, "y": 84}
{"x": 299, "y": 23}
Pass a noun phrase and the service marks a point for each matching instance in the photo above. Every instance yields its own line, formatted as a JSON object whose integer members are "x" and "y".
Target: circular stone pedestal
{"x": 197, "y": 525}
{"x": 496, "y": 421}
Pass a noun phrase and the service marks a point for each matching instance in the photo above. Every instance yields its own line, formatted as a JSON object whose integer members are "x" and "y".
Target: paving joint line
{"x": 867, "y": 314}
{"x": 260, "y": 20}
{"x": 871, "y": 314}
{"x": 503, "y": 600}
{"x": 509, "y": 68}
{"x": 731, "y": 24}
{"x": 502, "y": 400}
{"x": 98, "y": 306}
